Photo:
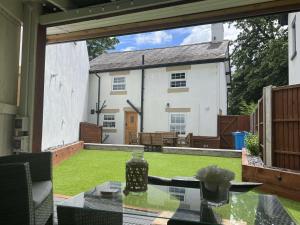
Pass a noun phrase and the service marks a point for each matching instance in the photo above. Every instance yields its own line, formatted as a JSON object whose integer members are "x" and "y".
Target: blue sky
{"x": 173, "y": 37}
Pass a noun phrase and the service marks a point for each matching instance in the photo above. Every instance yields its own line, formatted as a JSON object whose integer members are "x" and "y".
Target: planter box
{"x": 282, "y": 182}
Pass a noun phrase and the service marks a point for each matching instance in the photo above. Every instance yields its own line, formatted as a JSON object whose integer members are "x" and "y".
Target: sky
{"x": 172, "y": 37}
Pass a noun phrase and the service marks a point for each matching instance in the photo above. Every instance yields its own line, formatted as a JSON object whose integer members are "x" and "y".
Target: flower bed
{"x": 282, "y": 182}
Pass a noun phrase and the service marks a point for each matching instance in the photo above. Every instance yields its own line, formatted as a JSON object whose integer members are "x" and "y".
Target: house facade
{"x": 294, "y": 47}
{"x": 180, "y": 89}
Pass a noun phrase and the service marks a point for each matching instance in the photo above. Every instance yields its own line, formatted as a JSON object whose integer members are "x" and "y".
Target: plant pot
{"x": 214, "y": 194}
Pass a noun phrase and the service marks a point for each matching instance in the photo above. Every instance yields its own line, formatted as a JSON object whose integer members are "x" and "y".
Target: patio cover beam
{"x": 105, "y": 10}
{"x": 145, "y": 21}
{"x": 64, "y": 5}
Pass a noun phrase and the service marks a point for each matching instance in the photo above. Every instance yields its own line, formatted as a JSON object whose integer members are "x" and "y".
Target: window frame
{"x": 182, "y": 124}
{"x": 294, "y": 38}
{"x": 113, "y": 83}
{"x": 109, "y": 121}
{"x": 180, "y": 79}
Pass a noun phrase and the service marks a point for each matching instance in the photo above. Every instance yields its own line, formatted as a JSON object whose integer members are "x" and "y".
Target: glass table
{"x": 106, "y": 204}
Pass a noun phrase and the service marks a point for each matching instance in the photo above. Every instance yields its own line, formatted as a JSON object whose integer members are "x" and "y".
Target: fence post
{"x": 267, "y": 108}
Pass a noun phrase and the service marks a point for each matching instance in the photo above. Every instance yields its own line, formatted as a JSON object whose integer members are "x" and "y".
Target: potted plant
{"x": 214, "y": 185}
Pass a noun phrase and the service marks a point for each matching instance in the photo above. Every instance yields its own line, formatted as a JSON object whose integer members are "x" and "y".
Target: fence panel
{"x": 90, "y": 133}
{"x": 286, "y": 127}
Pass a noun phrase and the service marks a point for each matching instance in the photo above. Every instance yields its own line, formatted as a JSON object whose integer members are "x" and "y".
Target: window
{"x": 109, "y": 121}
{"x": 294, "y": 39}
{"x": 119, "y": 84}
{"x": 178, "y": 80}
{"x": 177, "y": 123}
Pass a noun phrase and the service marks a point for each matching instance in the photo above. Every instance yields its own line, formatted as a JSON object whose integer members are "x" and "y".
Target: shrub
{"x": 252, "y": 144}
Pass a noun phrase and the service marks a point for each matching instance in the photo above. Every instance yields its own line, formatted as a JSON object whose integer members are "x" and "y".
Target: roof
{"x": 160, "y": 57}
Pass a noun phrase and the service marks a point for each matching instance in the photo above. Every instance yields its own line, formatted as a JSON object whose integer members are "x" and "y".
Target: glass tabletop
{"x": 183, "y": 204}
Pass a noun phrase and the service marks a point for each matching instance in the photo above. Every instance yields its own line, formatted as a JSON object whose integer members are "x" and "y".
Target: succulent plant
{"x": 214, "y": 177}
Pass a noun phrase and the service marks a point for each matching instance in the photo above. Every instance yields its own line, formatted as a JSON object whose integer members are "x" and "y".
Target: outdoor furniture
{"x": 158, "y": 138}
{"x": 179, "y": 205}
{"x": 192, "y": 182}
{"x": 26, "y": 196}
{"x": 170, "y": 141}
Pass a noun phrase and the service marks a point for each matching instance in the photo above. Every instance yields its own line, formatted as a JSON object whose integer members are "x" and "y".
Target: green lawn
{"x": 89, "y": 168}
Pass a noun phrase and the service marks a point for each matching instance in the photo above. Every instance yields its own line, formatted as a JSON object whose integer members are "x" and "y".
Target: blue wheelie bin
{"x": 239, "y": 139}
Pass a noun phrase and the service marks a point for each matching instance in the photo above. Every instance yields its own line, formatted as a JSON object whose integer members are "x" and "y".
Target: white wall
{"x": 207, "y": 94}
{"x": 223, "y": 88}
{"x": 294, "y": 64}
{"x": 9, "y": 69}
{"x": 133, "y": 88}
{"x": 202, "y": 98}
{"x": 66, "y": 93}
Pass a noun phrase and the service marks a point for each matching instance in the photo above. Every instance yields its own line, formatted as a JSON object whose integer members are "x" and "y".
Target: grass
{"x": 89, "y": 168}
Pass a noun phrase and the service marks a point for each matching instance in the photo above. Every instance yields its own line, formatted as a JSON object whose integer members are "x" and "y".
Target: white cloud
{"x": 202, "y": 33}
{"x": 157, "y": 37}
{"x": 198, "y": 34}
{"x": 129, "y": 48}
{"x": 230, "y": 32}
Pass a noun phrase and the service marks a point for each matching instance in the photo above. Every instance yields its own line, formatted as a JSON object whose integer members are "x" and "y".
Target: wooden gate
{"x": 229, "y": 124}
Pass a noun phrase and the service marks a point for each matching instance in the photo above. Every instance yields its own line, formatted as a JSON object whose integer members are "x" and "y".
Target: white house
{"x": 65, "y": 93}
{"x": 294, "y": 47}
{"x": 182, "y": 89}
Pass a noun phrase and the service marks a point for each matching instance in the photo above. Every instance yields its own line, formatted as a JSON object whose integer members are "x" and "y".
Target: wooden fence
{"x": 280, "y": 137}
{"x": 229, "y": 124}
{"x": 90, "y": 133}
{"x": 204, "y": 142}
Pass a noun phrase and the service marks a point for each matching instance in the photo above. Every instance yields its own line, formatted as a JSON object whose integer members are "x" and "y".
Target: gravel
{"x": 255, "y": 161}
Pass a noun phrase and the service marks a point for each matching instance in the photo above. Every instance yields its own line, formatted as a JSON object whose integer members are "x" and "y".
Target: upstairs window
{"x": 178, "y": 123}
{"x": 178, "y": 80}
{"x": 119, "y": 84}
{"x": 109, "y": 121}
{"x": 294, "y": 39}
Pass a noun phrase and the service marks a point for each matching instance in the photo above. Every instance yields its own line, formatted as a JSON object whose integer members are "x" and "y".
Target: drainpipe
{"x": 142, "y": 95}
{"x": 98, "y": 101}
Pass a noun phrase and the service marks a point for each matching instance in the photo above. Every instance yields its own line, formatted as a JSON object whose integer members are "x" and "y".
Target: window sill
{"x": 109, "y": 130}
{"x": 118, "y": 93}
{"x": 178, "y": 90}
{"x": 294, "y": 55}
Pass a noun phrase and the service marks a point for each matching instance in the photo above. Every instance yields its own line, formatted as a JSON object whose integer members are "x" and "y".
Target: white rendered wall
{"x": 202, "y": 99}
{"x": 9, "y": 71}
{"x": 133, "y": 88}
{"x": 294, "y": 65}
{"x": 66, "y": 93}
{"x": 223, "y": 88}
{"x": 206, "y": 96}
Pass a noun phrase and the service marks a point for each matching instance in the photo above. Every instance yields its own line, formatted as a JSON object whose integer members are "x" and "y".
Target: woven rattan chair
{"x": 26, "y": 196}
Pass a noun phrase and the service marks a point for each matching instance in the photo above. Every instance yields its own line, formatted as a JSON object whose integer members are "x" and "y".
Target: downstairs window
{"x": 178, "y": 123}
{"x": 109, "y": 121}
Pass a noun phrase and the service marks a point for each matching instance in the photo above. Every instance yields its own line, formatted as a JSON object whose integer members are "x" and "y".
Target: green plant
{"x": 247, "y": 109}
{"x": 252, "y": 144}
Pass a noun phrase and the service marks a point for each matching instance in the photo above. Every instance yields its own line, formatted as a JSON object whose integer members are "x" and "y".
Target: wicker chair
{"x": 26, "y": 189}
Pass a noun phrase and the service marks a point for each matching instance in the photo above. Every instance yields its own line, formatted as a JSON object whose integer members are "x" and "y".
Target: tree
{"x": 259, "y": 59}
{"x": 98, "y": 46}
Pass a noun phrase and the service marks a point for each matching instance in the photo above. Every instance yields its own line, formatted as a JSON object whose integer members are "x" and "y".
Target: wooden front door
{"x": 131, "y": 122}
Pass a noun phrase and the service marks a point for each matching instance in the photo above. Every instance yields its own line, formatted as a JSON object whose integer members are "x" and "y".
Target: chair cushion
{"x": 40, "y": 191}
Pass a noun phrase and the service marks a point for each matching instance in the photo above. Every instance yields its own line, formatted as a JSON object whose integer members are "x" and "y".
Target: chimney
{"x": 217, "y": 32}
